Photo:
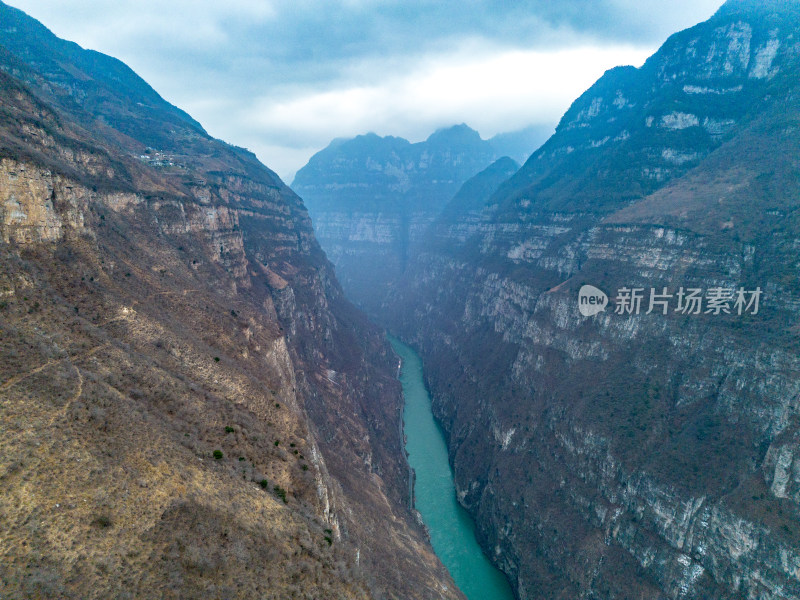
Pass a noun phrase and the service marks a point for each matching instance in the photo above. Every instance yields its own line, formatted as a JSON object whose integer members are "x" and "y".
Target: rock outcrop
{"x": 190, "y": 407}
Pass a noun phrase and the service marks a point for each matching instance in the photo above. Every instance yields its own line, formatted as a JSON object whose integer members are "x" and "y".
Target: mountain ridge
{"x": 192, "y": 407}
{"x": 631, "y": 455}
{"x": 372, "y": 197}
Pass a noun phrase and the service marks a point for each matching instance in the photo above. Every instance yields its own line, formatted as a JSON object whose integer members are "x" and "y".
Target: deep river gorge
{"x": 451, "y": 528}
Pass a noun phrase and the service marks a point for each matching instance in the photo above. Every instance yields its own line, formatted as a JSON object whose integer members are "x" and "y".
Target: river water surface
{"x": 452, "y": 529}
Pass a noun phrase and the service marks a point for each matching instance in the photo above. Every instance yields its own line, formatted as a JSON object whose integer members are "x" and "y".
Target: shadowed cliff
{"x": 631, "y": 455}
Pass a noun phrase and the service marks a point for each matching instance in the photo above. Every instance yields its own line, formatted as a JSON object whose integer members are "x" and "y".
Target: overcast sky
{"x": 284, "y": 77}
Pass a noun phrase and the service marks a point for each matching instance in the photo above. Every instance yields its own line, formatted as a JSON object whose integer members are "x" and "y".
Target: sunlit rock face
{"x": 632, "y": 455}
{"x": 190, "y": 407}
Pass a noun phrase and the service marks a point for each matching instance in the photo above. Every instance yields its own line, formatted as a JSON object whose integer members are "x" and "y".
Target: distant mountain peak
{"x": 456, "y": 134}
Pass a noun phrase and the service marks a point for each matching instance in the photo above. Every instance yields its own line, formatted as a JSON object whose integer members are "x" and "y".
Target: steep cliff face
{"x": 372, "y": 198}
{"x": 190, "y": 406}
{"x": 627, "y": 455}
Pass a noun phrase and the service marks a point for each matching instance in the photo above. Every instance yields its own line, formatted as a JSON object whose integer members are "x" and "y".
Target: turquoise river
{"x": 451, "y": 528}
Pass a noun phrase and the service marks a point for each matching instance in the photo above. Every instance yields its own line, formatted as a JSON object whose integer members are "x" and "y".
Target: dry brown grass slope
{"x": 188, "y": 407}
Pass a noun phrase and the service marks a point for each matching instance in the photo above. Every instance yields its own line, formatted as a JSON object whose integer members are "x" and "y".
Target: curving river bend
{"x": 451, "y": 528}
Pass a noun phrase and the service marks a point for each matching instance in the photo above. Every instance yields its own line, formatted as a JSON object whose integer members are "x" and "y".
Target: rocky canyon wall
{"x": 190, "y": 406}
{"x": 633, "y": 454}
